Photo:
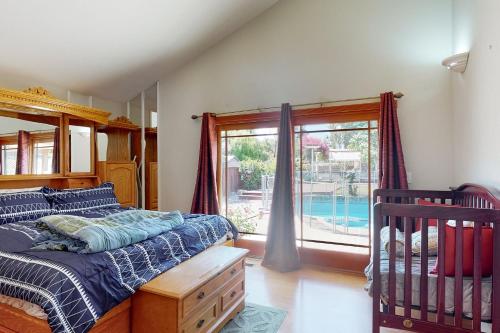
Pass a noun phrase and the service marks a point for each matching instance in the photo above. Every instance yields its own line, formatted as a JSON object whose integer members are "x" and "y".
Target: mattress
{"x": 486, "y": 287}
{"x": 75, "y": 290}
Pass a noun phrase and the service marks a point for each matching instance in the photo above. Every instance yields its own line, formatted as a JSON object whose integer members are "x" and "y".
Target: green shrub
{"x": 251, "y": 172}
{"x": 242, "y": 217}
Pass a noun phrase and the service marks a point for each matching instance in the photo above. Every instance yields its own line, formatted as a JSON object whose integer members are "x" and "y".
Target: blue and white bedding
{"x": 75, "y": 290}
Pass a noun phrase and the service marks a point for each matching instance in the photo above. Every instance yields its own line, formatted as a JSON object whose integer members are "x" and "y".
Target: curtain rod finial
{"x": 398, "y": 94}
{"x": 194, "y": 117}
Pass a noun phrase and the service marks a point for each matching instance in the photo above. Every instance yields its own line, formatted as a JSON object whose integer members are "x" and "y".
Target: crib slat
{"x": 408, "y": 254}
{"x": 376, "y": 269}
{"x": 495, "y": 297}
{"x": 392, "y": 265}
{"x": 441, "y": 288}
{"x": 424, "y": 261}
{"x": 459, "y": 272}
{"x": 476, "y": 291}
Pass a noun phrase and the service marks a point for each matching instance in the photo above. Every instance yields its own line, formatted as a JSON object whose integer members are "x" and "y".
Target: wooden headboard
{"x": 38, "y": 104}
{"x": 467, "y": 195}
{"x": 476, "y": 196}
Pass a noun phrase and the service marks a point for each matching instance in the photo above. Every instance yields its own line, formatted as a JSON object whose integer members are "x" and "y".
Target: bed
{"x": 436, "y": 292}
{"x": 90, "y": 292}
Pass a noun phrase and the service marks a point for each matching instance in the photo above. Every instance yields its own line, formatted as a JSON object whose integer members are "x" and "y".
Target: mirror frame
{"x": 37, "y": 103}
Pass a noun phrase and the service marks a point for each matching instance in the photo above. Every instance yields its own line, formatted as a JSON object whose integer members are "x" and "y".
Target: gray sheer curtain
{"x": 281, "y": 250}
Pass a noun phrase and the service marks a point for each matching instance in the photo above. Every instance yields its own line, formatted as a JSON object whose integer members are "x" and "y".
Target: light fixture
{"x": 457, "y": 62}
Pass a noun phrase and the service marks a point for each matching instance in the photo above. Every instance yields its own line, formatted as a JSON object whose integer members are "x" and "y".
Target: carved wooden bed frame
{"x": 37, "y": 103}
{"x": 17, "y": 321}
{"x": 397, "y": 207}
{"x": 32, "y": 104}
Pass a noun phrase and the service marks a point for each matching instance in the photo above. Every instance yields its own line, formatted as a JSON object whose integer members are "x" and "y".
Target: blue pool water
{"x": 322, "y": 206}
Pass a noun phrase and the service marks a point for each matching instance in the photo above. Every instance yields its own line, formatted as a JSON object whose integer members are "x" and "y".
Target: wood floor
{"x": 317, "y": 299}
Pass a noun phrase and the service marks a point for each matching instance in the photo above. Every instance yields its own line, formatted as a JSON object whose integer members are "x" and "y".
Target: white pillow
{"x": 400, "y": 244}
{"x": 466, "y": 224}
{"x": 432, "y": 242}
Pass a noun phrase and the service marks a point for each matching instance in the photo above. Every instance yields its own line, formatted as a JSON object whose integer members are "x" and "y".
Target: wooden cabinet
{"x": 152, "y": 186}
{"x": 123, "y": 176}
{"x": 200, "y": 295}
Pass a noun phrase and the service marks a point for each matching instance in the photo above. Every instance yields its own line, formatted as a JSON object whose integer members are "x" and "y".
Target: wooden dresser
{"x": 200, "y": 295}
{"x": 122, "y": 175}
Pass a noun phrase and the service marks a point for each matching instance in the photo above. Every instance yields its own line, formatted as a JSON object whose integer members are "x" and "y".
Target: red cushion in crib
{"x": 468, "y": 252}
{"x": 431, "y": 222}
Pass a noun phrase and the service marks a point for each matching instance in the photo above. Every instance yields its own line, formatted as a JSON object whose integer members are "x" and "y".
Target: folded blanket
{"x": 91, "y": 235}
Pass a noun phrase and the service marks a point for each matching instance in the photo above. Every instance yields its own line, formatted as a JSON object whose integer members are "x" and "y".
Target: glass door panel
{"x": 248, "y": 165}
{"x": 336, "y": 179}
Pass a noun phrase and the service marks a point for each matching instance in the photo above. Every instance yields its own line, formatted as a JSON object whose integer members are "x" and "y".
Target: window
{"x": 9, "y": 158}
{"x": 336, "y": 170}
{"x": 248, "y": 164}
{"x": 42, "y": 157}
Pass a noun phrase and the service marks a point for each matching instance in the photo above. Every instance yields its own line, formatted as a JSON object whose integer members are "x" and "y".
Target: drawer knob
{"x": 200, "y": 323}
{"x": 233, "y": 271}
{"x": 201, "y": 295}
{"x": 233, "y": 294}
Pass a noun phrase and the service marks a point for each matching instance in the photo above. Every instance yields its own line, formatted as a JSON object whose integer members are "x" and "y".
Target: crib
{"x": 425, "y": 302}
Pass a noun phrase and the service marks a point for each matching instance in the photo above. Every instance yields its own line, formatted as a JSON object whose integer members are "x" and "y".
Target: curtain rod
{"x": 397, "y": 95}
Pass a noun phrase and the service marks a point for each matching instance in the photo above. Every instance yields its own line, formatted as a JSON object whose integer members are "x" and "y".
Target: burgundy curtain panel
{"x": 205, "y": 199}
{"x": 392, "y": 171}
{"x": 56, "y": 151}
{"x": 281, "y": 250}
{"x": 23, "y": 150}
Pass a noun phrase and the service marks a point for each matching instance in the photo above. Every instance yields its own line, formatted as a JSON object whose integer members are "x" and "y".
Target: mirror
{"x": 102, "y": 146}
{"x": 29, "y": 145}
{"x": 80, "y": 146}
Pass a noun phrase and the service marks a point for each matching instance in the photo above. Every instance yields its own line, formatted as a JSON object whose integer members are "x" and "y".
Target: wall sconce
{"x": 457, "y": 62}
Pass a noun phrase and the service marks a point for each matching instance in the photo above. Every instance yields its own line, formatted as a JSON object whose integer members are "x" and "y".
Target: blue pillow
{"x": 23, "y": 206}
{"x": 78, "y": 200}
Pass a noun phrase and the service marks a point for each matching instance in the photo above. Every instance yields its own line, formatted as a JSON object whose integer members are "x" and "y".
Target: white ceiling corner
{"x": 114, "y": 48}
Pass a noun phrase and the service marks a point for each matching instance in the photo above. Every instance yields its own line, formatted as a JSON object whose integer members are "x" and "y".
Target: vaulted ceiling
{"x": 113, "y": 48}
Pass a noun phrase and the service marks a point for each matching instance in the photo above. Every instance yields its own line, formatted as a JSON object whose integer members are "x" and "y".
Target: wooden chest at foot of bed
{"x": 200, "y": 295}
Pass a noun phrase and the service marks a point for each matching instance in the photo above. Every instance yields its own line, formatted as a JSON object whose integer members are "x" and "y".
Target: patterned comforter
{"x": 75, "y": 290}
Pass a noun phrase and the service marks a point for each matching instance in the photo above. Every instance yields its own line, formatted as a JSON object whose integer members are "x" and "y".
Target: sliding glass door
{"x": 335, "y": 171}
{"x": 248, "y": 165}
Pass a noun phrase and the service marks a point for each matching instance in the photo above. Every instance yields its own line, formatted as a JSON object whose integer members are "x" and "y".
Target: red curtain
{"x": 205, "y": 200}
{"x": 56, "y": 157}
{"x": 392, "y": 171}
{"x": 23, "y": 150}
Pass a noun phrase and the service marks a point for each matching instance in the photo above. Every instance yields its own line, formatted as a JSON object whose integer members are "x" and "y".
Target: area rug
{"x": 256, "y": 319}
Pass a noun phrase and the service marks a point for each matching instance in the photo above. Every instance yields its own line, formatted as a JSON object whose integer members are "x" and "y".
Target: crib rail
{"x": 466, "y": 195}
{"x": 420, "y": 319}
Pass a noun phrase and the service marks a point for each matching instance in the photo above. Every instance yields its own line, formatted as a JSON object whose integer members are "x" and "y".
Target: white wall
{"x": 17, "y": 82}
{"x": 476, "y": 118}
{"x": 304, "y": 51}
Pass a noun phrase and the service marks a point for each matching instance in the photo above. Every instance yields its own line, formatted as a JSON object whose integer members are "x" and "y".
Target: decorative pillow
{"x": 23, "y": 206}
{"x": 431, "y": 222}
{"x": 385, "y": 241}
{"x": 77, "y": 200}
{"x": 468, "y": 252}
{"x": 432, "y": 242}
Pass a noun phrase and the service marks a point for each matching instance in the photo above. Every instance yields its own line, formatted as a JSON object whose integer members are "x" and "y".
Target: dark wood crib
{"x": 398, "y": 209}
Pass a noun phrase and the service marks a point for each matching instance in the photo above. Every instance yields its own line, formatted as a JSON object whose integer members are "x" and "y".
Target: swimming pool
{"x": 322, "y": 206}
